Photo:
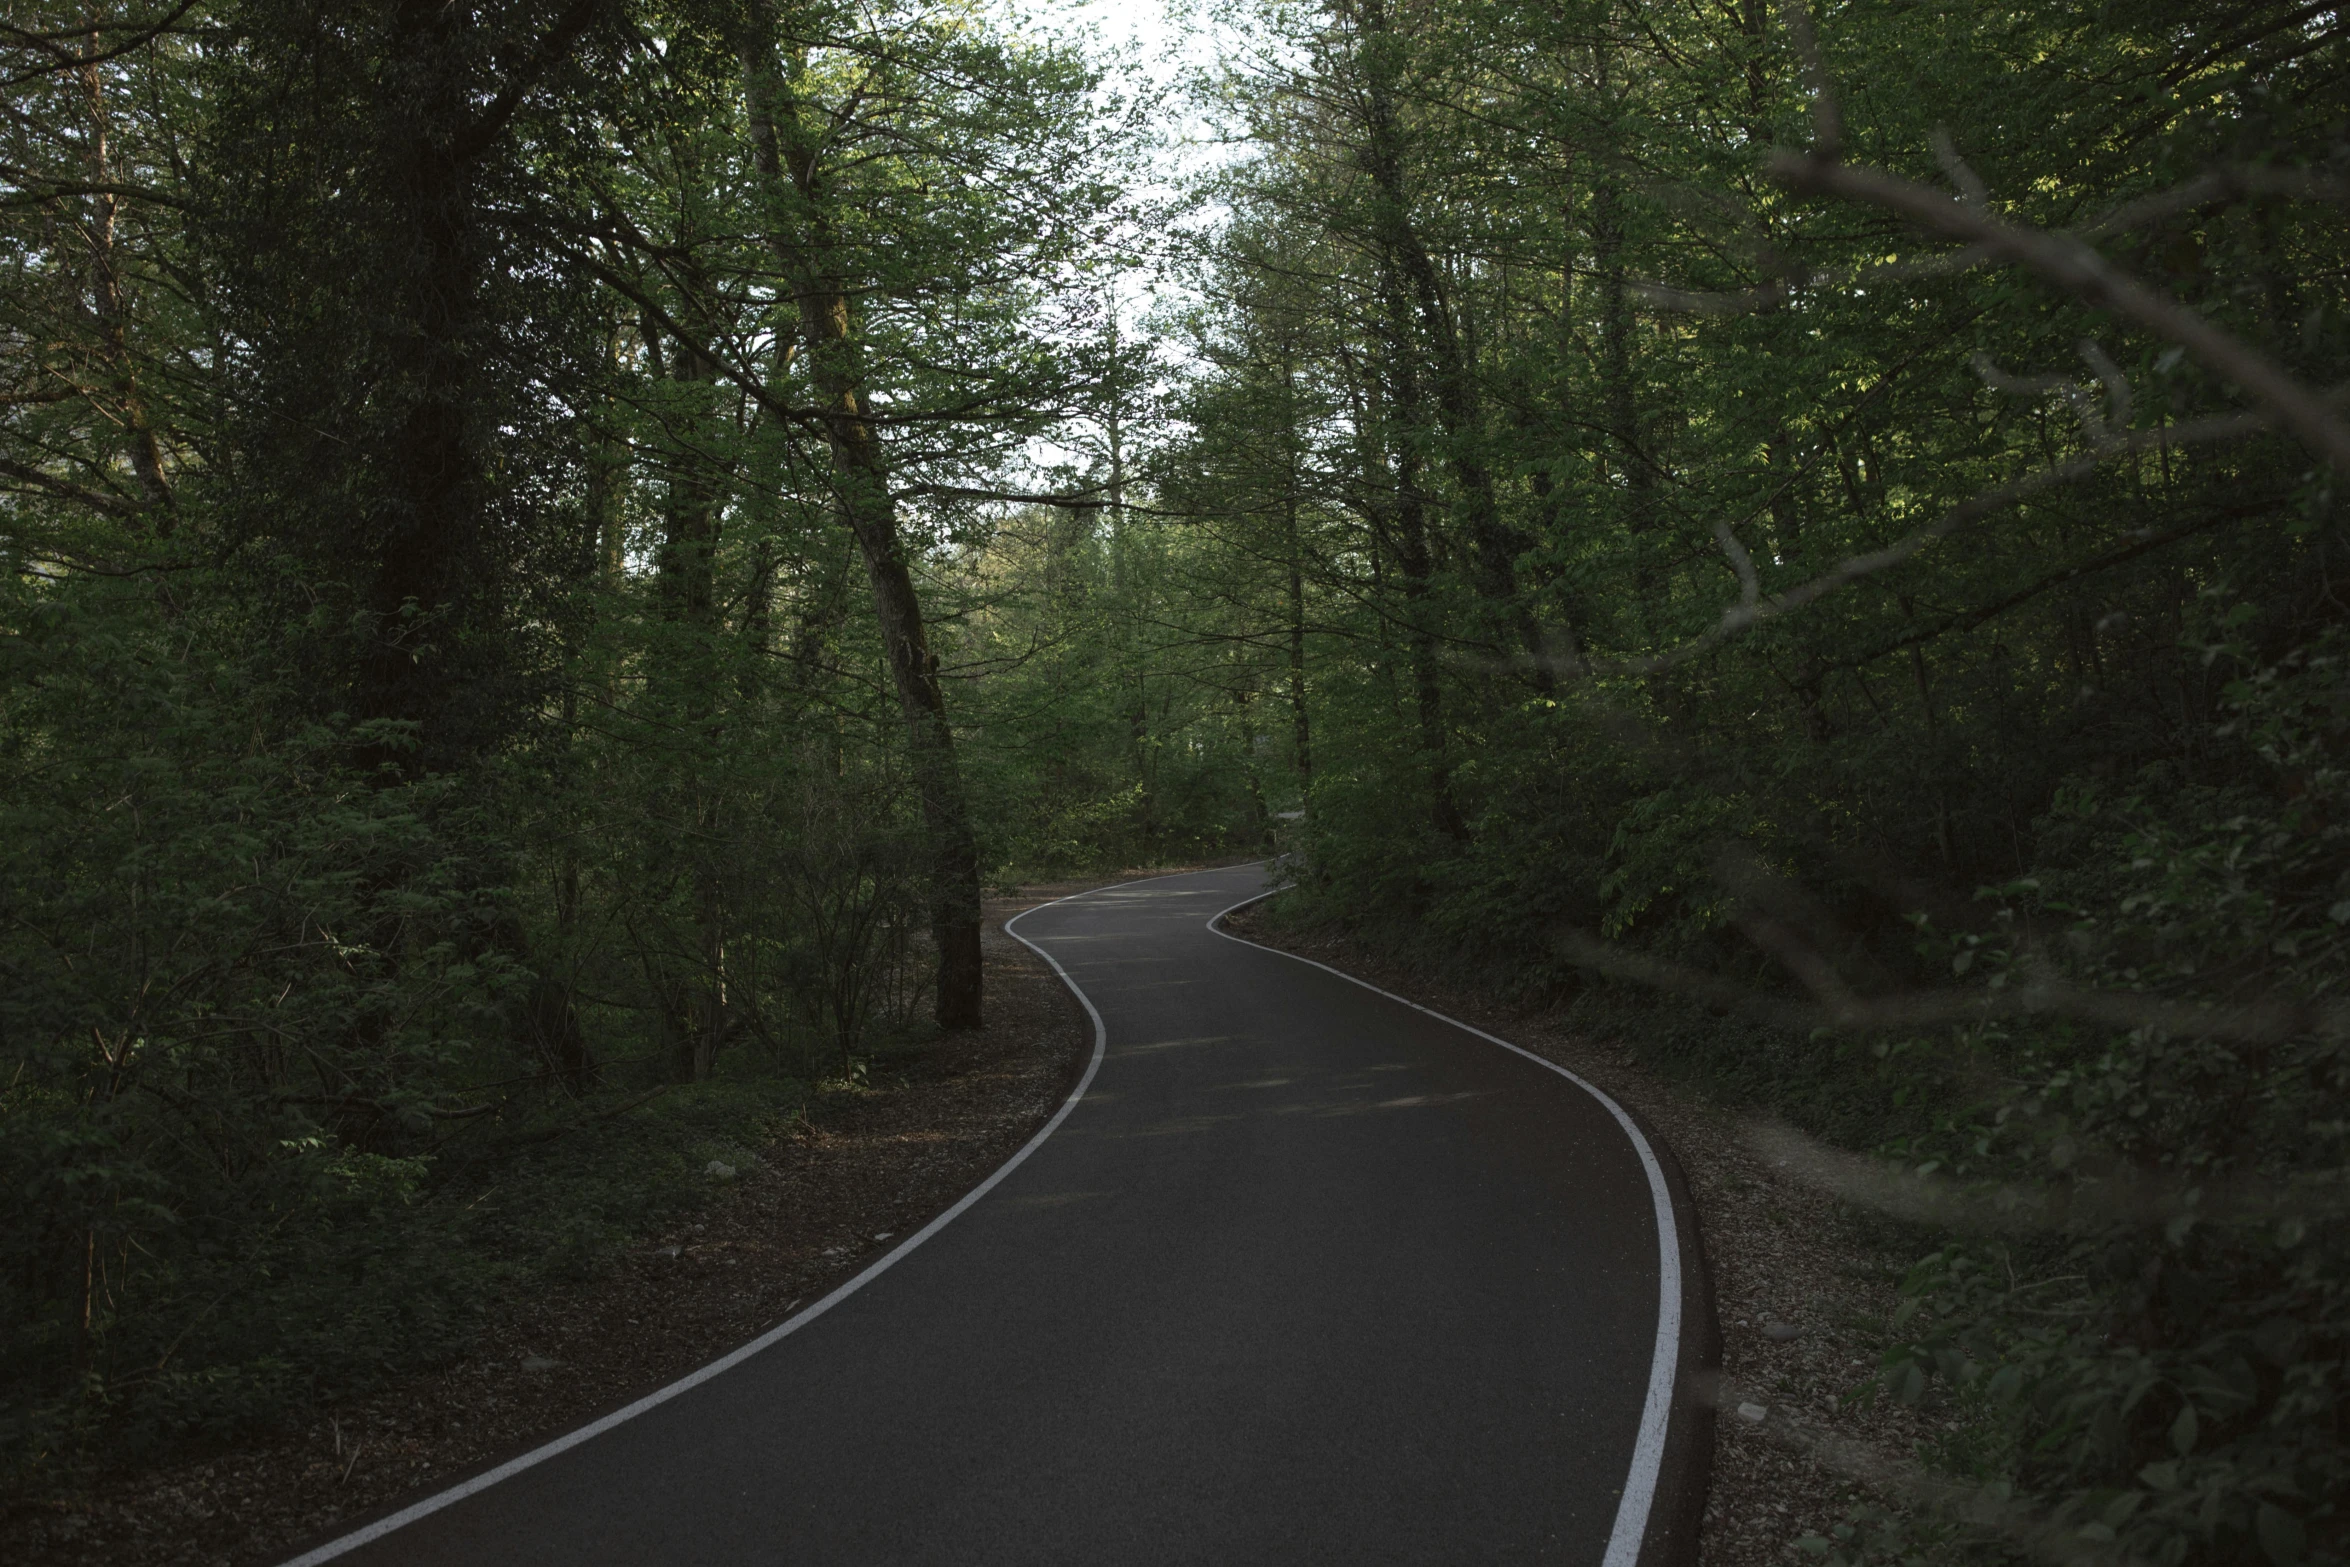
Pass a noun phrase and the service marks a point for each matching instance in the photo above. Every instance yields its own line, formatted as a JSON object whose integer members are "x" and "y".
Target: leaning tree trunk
{"x": 954, "y": 853}
{"x": 786, "y": 157}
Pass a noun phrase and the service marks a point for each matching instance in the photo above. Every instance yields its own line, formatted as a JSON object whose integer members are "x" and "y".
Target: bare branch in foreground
{"x": 1736, "y": 302}
{"x": 2218, "y": 185}
{"x": 1827, "y": 122}
{"x": 2118, "y": 400}
{"x": 2082, "y": 403}
{"x": 1970, "y": 184}
{"x": 2023, "y": 995}
{"x": 2094, "y": 1192}
{"x": 1749, "y": 585}
{"x": 1747, "y": 614}
{"x": 2072, "y": 263}
{"x": 1779, "y": 291}
{"x": 2232, "y": 183}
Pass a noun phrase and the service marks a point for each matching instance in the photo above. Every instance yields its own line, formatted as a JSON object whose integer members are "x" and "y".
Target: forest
{"x": 556, "y": 550}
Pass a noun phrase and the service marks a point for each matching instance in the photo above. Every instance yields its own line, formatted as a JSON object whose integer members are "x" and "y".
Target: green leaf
{"x": 2281, "y": 1535}
{"x": 2184, "y": 1430}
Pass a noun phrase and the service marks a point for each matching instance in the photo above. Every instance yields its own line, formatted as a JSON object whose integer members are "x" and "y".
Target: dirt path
{"x": 870, "y": 1163}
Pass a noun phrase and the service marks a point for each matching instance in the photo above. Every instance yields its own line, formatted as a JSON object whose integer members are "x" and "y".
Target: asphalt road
{"x": 1305, "y": 1275}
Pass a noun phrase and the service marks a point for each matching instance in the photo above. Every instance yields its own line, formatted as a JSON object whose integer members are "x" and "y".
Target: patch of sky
{"x": 1155, "y": 56}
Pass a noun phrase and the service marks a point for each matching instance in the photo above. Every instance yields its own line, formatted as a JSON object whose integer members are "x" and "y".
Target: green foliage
{"x": 1109, "y": 735}
{"x": 236, "y": 977}
{"x": 447, "y": 787}
{"x": 265, "y": 1138}
{"x": 449, "y": 792}
{"x": 1519, "y": 352}
{"x": 2163, "y": 1363}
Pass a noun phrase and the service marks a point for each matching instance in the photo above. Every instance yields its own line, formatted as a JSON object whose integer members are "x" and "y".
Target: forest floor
{"x": 1801, "y": 1283}
{"x": 867, "y": 1165}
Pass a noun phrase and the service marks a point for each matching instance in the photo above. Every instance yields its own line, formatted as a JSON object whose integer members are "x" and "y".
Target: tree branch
{"x": 2090, "y": 567}
{"x": 49, "y": 484}
{"x": 475, "y": 139}
{"x": 2071, "y": 263}
{"x": 141, "y": 33}
{"x": 1743, "y": 616}
{"x": 2258, "y": 1023}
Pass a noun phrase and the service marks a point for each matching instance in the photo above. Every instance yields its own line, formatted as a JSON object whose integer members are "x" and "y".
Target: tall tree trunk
{"x": 1126, "y": 614}
{"x": 111, "y": 306}
{"x": 786, "y": 156}
{"x": 1293, "y": 555}
{"x": 1619, "y": 409}
{"x": 1390, "y": 452}
{"x": 1300, "y": 716}
{"x": 688, "y": 598}
{"x": 1411, "y": 558}
{"x": 429, "y": 593}
{"x": 1494, "y": 544}
{"x": 423, "y": 576}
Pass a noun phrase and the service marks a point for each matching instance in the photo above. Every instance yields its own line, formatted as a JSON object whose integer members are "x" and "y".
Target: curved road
{"x": 1304, "y": 1275}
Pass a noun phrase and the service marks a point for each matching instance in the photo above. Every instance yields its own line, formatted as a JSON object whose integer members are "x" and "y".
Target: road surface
{"x": 1304, "y": 1275}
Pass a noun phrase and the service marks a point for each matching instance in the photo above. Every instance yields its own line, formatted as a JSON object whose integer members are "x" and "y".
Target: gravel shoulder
{"x": 868, "y": 1165}
{"x": 1801, "y": 1284}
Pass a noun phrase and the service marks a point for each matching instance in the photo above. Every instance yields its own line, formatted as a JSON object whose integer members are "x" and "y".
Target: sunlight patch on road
{"x": 1054, "y": 1199}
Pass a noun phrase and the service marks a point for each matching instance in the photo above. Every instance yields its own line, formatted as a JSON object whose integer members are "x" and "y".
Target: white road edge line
{"x": 1648, "y": 1449}
{"x": 783, "y": 1330}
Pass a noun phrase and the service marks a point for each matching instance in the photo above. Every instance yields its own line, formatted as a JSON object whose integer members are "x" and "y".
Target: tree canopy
{"x": 556, "y": 548}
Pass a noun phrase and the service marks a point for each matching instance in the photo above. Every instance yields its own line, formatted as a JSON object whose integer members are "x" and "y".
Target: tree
{"x": 436, "y": 749}
{"x": 1914, "y": 468}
